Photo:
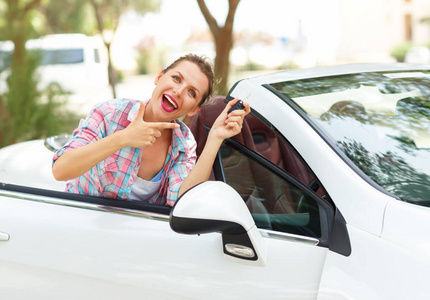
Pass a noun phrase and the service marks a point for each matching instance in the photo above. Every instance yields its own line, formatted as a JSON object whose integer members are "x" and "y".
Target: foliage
{"x": 51, "y": 116}
{"x": 142, "y": 61}
{"x": 399, "y": 51}
{"x": 26, "y": 113}
{"x": 78, "y": 17}
{"x": 16, "y": 18}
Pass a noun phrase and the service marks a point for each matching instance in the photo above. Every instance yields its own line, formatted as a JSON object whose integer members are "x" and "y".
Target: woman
{"x": 132, "y": 150}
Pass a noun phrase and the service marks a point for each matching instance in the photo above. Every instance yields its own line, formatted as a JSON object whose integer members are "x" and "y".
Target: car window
{"x": 380, "y": 121}
{"x": 62, "y": 56}
{"x": 274, "y": 202}
{"x": 271, "y": 146}
{"x": 276, "y": 185}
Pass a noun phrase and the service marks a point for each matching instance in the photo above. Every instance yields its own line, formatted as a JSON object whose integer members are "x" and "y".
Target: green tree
{"x": 22, "y": 86}
{"x": 25, "y": 112}
{"x": 223, "y": 37}
{"x": 107, "y": 13}
{"x": 399, "y": 51}
{"x": 77, "y": 18}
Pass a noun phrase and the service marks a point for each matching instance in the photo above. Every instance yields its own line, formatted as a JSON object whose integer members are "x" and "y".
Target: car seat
{"x": 236, "y": 166}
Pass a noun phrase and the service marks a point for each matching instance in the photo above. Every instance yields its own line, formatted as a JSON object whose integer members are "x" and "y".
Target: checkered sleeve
{"x": 179, "y": 172}
{"x": 89, "y": 130}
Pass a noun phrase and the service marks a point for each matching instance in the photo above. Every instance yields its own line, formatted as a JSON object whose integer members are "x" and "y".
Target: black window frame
{"x": 106, "y": 202}
{"x": 326, "y": 208}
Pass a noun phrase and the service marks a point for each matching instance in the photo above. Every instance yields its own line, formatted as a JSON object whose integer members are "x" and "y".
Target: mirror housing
{"x": 214, "y": 206}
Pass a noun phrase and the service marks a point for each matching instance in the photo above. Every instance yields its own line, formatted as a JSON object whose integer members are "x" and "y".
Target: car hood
{"x": 28, "y": 164}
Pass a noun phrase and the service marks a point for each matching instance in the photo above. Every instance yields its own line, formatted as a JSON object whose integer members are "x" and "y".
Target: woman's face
{"x": 178, "y": 92}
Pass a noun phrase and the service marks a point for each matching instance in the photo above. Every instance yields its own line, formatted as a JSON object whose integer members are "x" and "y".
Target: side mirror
{"x": 214, "y": 206}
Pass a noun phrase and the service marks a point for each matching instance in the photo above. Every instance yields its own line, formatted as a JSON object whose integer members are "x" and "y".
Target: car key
{"x": 237, "y": 105}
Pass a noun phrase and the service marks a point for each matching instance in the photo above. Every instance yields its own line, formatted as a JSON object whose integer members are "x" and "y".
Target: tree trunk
{"x": 223, "y": 37}
{"x": 111, "y": 71}
{"x": 112, "y": 79}
{"x": 223, "y": 45}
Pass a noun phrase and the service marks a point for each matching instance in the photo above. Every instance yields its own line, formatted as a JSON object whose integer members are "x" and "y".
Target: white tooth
{"x": 173, "y": 103}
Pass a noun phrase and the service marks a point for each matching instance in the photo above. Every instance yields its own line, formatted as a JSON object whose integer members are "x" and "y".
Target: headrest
{"x": 206, "y": 116}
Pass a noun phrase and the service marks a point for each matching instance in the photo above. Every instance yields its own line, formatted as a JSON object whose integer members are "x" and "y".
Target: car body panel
{"x": 32, "y": 169}
{"x": 138, "y": 256}
{"x": 408, "y": 226}
{"x": 376, "y": 269}
{"x": 333, "y": 71}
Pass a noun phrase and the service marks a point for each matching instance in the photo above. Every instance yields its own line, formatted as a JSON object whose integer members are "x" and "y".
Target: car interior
{"x": 274, "y": 202}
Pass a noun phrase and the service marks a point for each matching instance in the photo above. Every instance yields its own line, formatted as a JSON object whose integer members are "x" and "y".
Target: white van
{"x": 76, "y": 62}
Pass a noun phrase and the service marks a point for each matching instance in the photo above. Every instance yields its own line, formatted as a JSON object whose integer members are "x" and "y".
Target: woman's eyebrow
{"x": 192, "y": 86}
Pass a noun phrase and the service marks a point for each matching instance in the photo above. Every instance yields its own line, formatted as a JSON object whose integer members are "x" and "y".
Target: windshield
{"x": 62, "y": 56}
{"x": 51, "y": 57}
{"x": 381, "y": 121}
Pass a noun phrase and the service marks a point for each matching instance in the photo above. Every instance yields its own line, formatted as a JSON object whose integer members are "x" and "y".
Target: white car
{"x": 75, "y": 62}
{"x": 324, "y": 195}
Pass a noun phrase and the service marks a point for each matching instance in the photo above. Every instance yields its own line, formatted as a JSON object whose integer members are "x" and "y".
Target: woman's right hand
{"x": 138, "y": 134}
{"x": 141, "y": 134}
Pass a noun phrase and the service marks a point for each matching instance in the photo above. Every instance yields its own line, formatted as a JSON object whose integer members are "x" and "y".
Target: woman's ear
{"x": 158, "y": 77}
{"x": 194, "y": 111}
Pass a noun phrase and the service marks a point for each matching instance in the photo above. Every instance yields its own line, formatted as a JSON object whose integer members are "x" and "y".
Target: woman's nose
{"x": 178, "y": 90}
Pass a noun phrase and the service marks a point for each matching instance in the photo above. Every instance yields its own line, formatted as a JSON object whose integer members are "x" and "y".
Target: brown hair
{"x": 204, "y": 65}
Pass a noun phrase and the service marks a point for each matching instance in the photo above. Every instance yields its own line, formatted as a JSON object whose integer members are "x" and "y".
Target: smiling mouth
{"x": 168, "y": 103}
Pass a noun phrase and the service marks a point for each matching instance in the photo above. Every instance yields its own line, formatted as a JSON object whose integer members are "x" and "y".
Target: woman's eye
{"x": 176, "y": 78}
{"x": 192, "y": 93}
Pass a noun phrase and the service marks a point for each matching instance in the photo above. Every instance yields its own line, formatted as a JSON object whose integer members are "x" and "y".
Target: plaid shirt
{"x": 114, "y": 176}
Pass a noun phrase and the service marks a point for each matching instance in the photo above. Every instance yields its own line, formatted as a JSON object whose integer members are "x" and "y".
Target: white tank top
{"x": 143, "y": 190}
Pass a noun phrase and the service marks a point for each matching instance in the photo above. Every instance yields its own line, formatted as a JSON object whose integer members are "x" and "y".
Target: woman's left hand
{"x": 224, "y": 127}
{"x": 229, "y": 124}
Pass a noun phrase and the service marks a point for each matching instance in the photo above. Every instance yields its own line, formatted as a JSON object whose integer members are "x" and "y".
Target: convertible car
{"x": 325, "y": 194}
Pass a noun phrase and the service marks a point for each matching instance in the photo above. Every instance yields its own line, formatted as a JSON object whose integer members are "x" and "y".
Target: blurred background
{"x": 60, "y": 57}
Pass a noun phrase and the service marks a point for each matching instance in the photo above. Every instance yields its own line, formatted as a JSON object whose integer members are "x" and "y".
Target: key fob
{"x": 238, "y": 105}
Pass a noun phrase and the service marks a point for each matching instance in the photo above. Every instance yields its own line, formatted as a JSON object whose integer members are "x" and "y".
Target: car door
{"x": 76, "y": 250}
{"x": 286, "y": 200}
{"x": 79, "y": 249}
{"x": 66, "y": 248}
{"x": 55, "y": 243}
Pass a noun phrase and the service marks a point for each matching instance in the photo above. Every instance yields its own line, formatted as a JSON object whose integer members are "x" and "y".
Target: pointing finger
{"x": 164, "y": 125}
{"x": 141, "y": 110}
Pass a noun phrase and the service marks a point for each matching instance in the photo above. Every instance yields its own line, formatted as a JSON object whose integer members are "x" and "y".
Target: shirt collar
{"x": 180, "y": 138}
{"x": 135, "y": 110}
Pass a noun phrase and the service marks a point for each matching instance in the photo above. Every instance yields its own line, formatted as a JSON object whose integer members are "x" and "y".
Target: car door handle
{"x": 4, "y": 237}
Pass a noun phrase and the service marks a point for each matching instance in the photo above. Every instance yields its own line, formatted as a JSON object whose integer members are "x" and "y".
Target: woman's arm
{"x": 139, "y": 134}
{"x": 225, "y": 126}
{"x": 76, "y": 162}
